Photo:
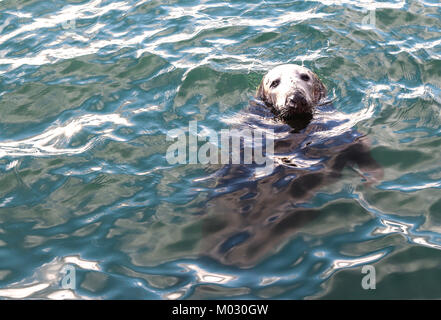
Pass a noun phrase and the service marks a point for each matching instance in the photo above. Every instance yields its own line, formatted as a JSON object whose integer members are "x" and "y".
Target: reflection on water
{"x": 44, "y": 283}
{"x": 89, "y": 91}
{"x": 53, "y": 140}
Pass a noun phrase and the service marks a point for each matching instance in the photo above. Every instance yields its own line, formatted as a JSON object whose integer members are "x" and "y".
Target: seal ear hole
{"x": 305, "y": 77}
{"x": 275, "y": 83}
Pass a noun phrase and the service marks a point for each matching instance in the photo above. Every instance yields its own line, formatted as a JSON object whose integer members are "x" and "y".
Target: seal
{"x": 248, "y": 214}
{"x": 291, "y": 91}
{"x": 251, "y": 216}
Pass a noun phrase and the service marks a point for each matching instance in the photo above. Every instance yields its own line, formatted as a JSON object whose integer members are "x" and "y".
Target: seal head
{"x": 291, "y": 91}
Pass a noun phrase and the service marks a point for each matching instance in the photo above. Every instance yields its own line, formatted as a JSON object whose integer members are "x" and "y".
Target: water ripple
{"x": 89, "y": 91}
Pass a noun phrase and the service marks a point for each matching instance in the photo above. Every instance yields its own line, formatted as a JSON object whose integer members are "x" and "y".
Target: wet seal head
{"x": 291, "y": 91}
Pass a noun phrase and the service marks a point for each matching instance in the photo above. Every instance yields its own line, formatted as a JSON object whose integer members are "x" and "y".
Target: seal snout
{"x": 297, "y": 101}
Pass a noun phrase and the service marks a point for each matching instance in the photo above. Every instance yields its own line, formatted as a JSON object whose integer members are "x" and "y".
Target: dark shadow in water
{"x": 300, "y": 122}
{"x": 249, "y": 218}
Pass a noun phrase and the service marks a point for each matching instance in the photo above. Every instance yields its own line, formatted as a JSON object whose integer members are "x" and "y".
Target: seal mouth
{"x": 295, "y": 105}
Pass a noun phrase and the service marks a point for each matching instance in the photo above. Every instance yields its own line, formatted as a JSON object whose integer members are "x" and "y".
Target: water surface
{"x": 90, "y": 89}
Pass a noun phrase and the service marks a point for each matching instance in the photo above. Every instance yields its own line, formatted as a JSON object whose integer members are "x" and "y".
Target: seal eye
{"x": 275, "y": 83}
{"x": 304, "y": 77}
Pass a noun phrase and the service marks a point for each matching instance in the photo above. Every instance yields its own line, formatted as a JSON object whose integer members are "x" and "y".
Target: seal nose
{"x": 296, "y": 100}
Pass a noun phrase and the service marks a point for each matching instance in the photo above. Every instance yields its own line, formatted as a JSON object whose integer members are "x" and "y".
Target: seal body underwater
{"x": 248, "y": 218}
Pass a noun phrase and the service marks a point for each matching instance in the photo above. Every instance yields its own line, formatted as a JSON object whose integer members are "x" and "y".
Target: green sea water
{"x": 89, "y": 91}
